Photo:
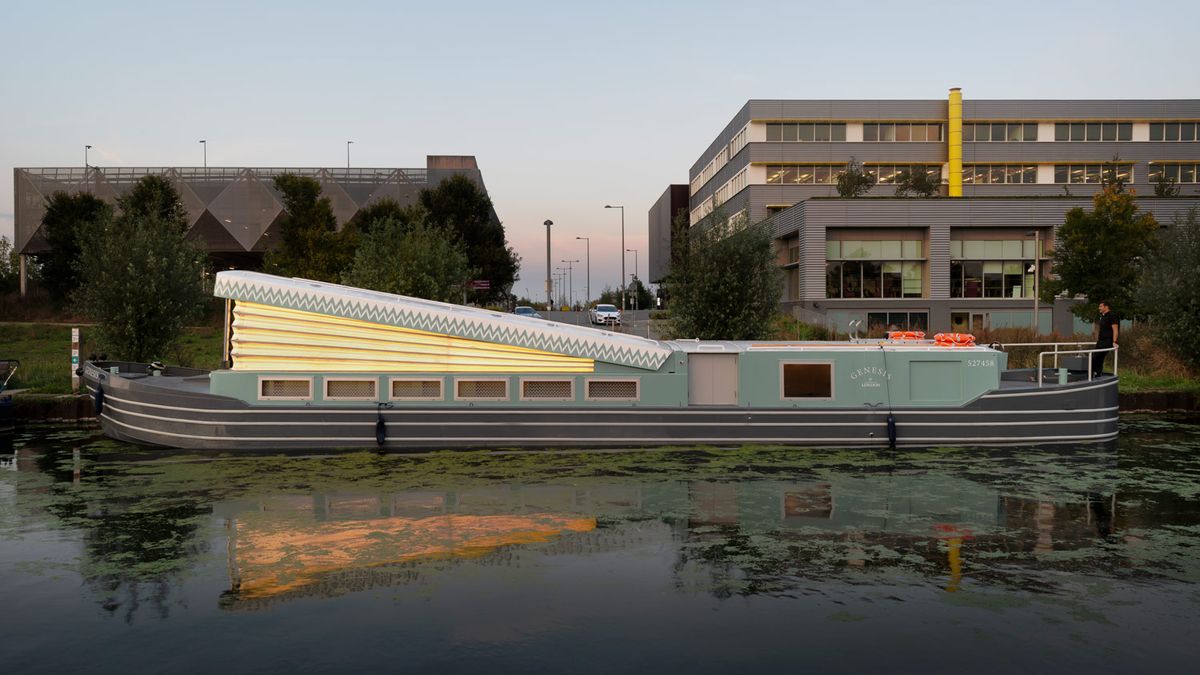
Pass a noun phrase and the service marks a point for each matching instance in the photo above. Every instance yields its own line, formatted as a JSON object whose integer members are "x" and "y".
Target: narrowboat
{"x": 311, "y": 365}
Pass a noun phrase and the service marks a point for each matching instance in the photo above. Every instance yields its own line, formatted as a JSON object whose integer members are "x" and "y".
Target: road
{"x": 635, "y": 322}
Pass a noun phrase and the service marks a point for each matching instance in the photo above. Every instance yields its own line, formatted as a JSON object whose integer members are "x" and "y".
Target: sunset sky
{"x": 567, "y": 106}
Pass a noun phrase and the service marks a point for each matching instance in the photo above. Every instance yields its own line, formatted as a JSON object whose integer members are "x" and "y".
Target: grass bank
{"x": 44, "y": 350}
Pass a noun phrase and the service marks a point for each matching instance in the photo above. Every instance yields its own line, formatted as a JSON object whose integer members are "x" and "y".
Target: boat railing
{"x": 1058, "y": 351}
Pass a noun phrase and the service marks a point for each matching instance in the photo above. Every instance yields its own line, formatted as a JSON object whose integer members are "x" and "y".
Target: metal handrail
{"x": 1056, "y": 353}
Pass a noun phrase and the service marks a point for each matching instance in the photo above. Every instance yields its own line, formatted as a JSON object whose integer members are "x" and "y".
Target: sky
{"x": 567, "y": 106}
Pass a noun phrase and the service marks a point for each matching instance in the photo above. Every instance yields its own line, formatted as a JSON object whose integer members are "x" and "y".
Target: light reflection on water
{"x": 697, "y": 560}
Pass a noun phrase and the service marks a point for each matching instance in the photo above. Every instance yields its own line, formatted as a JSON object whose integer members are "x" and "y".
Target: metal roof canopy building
{"x": 234, "y": 211}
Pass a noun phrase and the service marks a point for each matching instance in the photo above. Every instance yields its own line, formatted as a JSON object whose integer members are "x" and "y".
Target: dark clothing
{"x": 1104, "y": 340}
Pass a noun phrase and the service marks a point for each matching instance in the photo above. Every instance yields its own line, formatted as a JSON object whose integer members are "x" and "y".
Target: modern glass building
{"x": 965, "y": 259}
{"x": 234, "y": 212}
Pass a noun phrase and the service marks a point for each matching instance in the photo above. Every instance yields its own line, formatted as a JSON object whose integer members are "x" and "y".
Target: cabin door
{"x": 712, "y": 379}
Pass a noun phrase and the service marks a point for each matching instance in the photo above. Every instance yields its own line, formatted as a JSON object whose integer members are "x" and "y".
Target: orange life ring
{"x": 954, "y": 340}
{"x": 906, "y": 335}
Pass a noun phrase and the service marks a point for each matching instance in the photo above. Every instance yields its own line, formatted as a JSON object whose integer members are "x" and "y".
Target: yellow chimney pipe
{"x": 954, "y": 140}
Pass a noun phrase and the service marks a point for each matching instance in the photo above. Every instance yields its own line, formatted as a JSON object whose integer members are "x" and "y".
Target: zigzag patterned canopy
{"x": 441, "y": 318}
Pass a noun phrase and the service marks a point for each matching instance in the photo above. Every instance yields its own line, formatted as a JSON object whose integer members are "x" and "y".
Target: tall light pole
{"x": 85, "y": 162}
{"x": 204, "y": 144}
{"x": 609, "y": 206}
{"x": 570, "y": 279}
{"x": 348, "y": 144}
{"x": 587, "y": 243}
{"x": 635, "y": 265}
{"x": 549, "y": 285}
{"x": 562, "y": 280}
{"x": 1037, "y": 274}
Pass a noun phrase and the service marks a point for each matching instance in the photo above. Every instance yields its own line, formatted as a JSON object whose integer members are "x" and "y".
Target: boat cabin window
{"x": 489, "y": 390}
{"x": 359, "y": 390}
{"x": 807, "y": 380}
{"x": 416, "y": 390}
{"x": 612, "y": 390}
{"x": 555, "y": 390}
{"x": 285, "y": 389}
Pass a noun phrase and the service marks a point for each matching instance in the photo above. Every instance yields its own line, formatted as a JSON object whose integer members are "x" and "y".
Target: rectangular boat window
{"x": 494, "y": 390}
{"x": 359, "y": 389}
{"x": 548, "y": 390}
{"x": 285, "y": 389}
{"x": 416, "y": 390}
{"x": 612, "y": 390}
{"x": 807, "y": 380}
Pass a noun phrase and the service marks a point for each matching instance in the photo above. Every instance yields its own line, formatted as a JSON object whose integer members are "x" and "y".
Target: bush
{"x": 784, "y": 327}
{"x": 1169, "y": 289}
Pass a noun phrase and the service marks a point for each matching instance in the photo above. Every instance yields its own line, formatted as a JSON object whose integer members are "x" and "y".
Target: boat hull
{"x": 138, "y": 412}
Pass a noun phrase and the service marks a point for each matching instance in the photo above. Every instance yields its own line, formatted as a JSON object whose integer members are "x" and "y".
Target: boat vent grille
{"x": 495, "y": 389}
{"x": 362, "y": 389}
{"x": 417, "y": 389}
{"x": 612, "y": 389}
{"x": 557, "y": 389}
{"x": 285, "y": 389}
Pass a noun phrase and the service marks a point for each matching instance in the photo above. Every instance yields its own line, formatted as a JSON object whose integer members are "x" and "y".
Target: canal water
{"x": 1075, "y": 558}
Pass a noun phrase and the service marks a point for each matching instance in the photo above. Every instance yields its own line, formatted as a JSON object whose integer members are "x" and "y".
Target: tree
{"x": 459, "y": 205}
{"x": 154, "y": 197}
{"x": 1169, "y": 290}
{"x": 416, "y": 259}
{"x": 919, "y": 183}
{"x": 141, "y": 279}
{"x": 62, "y": 225}
{"x": 386, "y": 209}
{"x": 639, "y": 296}
{"x": 853, "y": 182}
{"x": 10, "y": 267}
{"x": 727, "y": 285}
{"x": 310, "y": 245}
{"x": 1099, "y": 253}
{"x": 1164, "y": 186}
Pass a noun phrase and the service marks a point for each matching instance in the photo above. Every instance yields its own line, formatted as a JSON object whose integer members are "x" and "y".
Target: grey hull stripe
{"x": 605, "y": 439}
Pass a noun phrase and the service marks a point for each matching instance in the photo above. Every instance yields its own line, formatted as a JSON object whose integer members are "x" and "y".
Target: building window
{"x": 1175, "y": 131}
{"x": 992, "y": 268}
{"x": 612, "y": 390}
{"x": 404, "y": 389}
{"x": 879, "y": 323}
{"x": 1106, "y": 132}
{"x": 990, "y": 174}
{"x": 285, "y": 389}
{"x": 548, "y": 390}
{"x": 806, "y": 380}
{"x": 803, "y": 174}
{"x": 992, "y": 132}
{"x": 1180, "y": 173}
{"x": 1090, "y": 173}
{"x": 806, "y": 132}
{"x": 888, "y": 174}
{"x": 346, "y": 389}
{"x": 902, "y": 132}
{"x": 481, "y": 390}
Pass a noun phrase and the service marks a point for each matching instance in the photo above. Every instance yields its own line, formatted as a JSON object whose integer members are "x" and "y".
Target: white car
{"x": 605, "y": 314}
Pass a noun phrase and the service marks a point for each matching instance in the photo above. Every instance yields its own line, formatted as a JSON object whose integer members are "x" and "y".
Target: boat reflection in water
{"x": 729, "y": 537}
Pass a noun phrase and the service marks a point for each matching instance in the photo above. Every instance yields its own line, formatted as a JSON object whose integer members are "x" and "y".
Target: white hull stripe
{"x": 608, "y": 439}
{"x": 879, "y": 410}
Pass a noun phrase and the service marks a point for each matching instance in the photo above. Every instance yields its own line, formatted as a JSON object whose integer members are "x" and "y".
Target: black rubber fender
{"x": 891, "y": 424}
{"x": 98, "y": 400}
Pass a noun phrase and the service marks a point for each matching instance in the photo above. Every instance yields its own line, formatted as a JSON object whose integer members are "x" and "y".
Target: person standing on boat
{"x": 1106, "y": 337}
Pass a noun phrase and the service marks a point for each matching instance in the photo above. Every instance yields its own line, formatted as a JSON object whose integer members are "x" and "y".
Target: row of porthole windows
{"x": 465, "y": 389}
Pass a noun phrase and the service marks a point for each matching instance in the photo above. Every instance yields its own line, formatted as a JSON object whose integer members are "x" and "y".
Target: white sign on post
{"x": 74, "y": 359}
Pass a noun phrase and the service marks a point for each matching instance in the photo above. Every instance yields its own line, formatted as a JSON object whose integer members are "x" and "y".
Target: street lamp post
{"x": 549, "y": 284}
{"x": 570, "y": 280}
{"x": 204, "y": 144}
{"x": 348, "y": 144}
{"x": 623, "y": 285}
{"x": 634, "y": 275}
{"x": 562, "y": 280}
{"x": 85, "y": 161}
{"x": 1037, "y": 274}
{"x": 587, "y": 243}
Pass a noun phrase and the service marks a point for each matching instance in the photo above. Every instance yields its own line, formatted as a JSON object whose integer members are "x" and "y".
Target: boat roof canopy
{"x": 471, "y": 323}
